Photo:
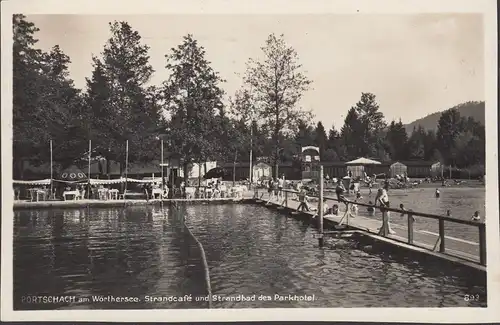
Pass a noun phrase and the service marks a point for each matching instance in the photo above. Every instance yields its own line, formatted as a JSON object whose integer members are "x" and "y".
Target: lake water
{"x": 139, "y": 252}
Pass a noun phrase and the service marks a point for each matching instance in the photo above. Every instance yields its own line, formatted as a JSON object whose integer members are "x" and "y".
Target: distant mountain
{"x": 475, "y": 110}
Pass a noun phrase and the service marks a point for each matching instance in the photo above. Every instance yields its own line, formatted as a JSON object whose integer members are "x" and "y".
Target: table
{"x": 75, "y": 194}
{"x": 35, "y": 193}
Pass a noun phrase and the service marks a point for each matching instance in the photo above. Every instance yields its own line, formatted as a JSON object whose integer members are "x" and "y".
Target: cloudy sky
{"x": 414, "y": 64}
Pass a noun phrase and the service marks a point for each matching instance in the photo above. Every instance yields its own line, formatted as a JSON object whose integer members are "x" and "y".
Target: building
{"x": 398, "y": 168}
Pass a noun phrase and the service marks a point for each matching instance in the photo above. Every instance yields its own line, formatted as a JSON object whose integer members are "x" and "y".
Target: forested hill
{"x": 476, "y": 110}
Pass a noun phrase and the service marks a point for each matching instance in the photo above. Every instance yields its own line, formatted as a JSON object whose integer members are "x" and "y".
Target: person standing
{"x": 303, "y": 206}
{"x": 382, "y": 199}
{"x": 281, "y": 183}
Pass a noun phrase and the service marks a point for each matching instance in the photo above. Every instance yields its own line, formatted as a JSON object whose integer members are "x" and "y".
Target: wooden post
{"x": 51, "y": 172}
{"x": 411, "y": 220}
{"x": 162, "y": 177}
{"x": 441, "y": 235}
{"x": 286, "y": 199}
{"x": 320, "y": 212}
{"x": 126, "y": 170}
{"x": 482, "y": 244}
{"x": 250, "y": 176}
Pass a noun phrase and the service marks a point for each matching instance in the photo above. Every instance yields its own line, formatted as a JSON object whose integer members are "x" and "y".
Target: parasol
{"x": 72, "y": 174}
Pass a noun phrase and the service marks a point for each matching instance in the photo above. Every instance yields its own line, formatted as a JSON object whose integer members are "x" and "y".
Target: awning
{"x": 36, "y": 182}
{"x": 106, "y": 181}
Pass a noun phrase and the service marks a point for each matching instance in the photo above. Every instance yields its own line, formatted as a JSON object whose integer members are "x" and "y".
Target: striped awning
{"x": 34, "y": 182}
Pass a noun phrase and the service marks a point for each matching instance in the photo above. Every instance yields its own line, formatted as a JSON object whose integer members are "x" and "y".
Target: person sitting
{"x": 326, "y": 209}
{"x": 476, "y": 216}
{"x": 370, "y": 210}
{"x": 335, "y": 210}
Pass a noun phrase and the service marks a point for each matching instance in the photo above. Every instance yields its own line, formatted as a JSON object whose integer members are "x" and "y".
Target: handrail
{"x": 419, "y": 214}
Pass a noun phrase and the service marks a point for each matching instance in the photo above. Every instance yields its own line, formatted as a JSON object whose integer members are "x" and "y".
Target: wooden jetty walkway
{"x": 465, "y": 252}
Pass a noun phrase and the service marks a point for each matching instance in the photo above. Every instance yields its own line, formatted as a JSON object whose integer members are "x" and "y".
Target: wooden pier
{"x": 456, "y": 250}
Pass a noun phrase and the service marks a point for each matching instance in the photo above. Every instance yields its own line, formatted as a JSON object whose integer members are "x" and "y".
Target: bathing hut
{"x": 398, "y": 169}
{"x": 437, "y": 169}
{"x": 261, "y": 170}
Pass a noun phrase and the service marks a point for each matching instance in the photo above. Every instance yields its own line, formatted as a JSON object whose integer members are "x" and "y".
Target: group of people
{"x": 275, "y": 188}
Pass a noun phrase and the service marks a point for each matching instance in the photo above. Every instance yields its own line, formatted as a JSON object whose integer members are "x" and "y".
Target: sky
{"x": 415, "y": 64}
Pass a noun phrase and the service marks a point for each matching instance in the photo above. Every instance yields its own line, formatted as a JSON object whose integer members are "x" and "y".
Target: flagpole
{"x": 162, "y": 179}
{"x": 126, "y": 169}
{"x": 90, "y": 153}
{"x": 51, "y": 170}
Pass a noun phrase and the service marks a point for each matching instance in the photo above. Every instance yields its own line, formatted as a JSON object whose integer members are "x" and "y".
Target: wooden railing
{"x": 411, "y": 219}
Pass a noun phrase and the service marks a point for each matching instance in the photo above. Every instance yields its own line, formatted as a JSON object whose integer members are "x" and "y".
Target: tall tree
{"x": 29, "y": 131}
{"x": 123, "y": 100}
{"x": 397, "y": 140}
{"x": 372, "y": 125}
{"x": 352, "y": 135}
{"x": 416, "y": 144}
{"x": 321, "y": 139}
{"x": 335, "y": 148}
{"x": 46, "y": 103}
{"x": 278, "y": 85}
{"x": 198, "y": 123}
{"x": 450, "y": 125}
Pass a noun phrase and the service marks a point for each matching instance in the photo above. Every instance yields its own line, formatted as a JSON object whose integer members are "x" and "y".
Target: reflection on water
{"x": 140, "y": 251}
{"x": 121, "y": 252}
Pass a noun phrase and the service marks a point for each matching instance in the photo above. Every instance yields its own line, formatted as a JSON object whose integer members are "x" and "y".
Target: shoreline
{"x": 26, "y": 205}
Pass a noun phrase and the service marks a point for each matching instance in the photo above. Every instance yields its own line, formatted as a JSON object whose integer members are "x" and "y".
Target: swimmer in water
{"x": 437, "y": 194}
{"x": 448, "y": 213}
{"x": 476, "y": 216}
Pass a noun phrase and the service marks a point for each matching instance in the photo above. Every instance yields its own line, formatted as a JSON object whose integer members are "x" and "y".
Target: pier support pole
{"x": 441, "y": 236}
{"x": 482, "y": 244}
{"x": 411, "y": 220}
{"x": 320, "y": 206}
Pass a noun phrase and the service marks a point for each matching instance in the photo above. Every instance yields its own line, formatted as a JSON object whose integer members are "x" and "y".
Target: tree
{"x": 450, "y": 125}
{"x": 397, "y": 139}
{"x": 118, "y": 95}
{"x": 372, "y": 125}
{"x": 29, "y": 131}
{"x": 321, "y": 140}
{"x": 46, "y": 104}
{"x": 278, "y": 85}
{"x": 198, "y": 123}
{"x": 305, "y": 135}
{"x": 352, "y": 135}
{"x": 416, "y": 144}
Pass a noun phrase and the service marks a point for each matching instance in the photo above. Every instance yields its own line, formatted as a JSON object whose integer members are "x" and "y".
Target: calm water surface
{"x": 139, "y": 251}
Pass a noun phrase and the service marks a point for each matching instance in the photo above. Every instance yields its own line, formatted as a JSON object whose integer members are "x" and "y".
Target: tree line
{"x": 190, "y": 113}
